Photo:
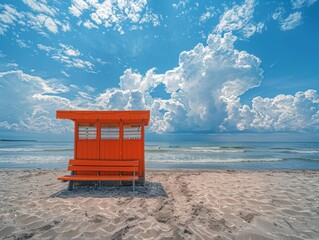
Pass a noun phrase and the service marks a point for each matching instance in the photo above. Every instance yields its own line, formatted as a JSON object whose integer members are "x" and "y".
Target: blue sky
{"x": 199, "y": 66}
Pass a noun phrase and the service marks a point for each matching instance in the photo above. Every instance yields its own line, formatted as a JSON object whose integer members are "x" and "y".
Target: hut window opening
{"x": 132, "y": 131}
{"x": 110, "y": 132}
{"x": 87, "y": 131}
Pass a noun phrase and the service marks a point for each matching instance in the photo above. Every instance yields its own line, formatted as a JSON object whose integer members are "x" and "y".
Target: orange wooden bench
{"x": 117, "y": 167}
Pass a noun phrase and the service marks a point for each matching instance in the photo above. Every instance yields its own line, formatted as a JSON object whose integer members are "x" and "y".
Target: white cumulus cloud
{"x": 44, "y": 47}
{"x": 72, "y": 52}
{"x": 88, "y": 24}
{"x": 205, "y": 16}
{"x": 40, "y": 6}
{"x": 198, "y": 87}
{"x": 41, "y": 19}
{"x": 51, "y": 25}
{"x": 67, "y": 55}
{"x": 114, "y": 13}
{"x": 299, "y": 112}
{"x": 291, "y": 22}
{"x": 302, "y": 3}
{"x": 22, "y": 43}
{"x": 29, "y": 103}
{"x": 8, "y": 17}
{"x": 240, "y": 18}
{"x": 204, "y": 94}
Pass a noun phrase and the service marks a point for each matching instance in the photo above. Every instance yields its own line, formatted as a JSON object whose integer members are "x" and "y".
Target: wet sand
{"x": 173, "y": 204}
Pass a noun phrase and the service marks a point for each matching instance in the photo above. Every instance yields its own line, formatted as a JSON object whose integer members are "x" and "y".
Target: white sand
{"x": 176, "y": 204}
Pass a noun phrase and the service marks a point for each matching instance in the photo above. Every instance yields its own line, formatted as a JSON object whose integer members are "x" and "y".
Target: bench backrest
{"x": 104, "y": 165}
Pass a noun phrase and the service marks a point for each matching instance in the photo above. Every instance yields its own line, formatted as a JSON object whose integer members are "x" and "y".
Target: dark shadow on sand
{"x": 149, "y": 190}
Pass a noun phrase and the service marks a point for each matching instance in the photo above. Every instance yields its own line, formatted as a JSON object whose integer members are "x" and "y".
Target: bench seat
{"x": 97, "y": 178}
{"x": 94, "y": 170}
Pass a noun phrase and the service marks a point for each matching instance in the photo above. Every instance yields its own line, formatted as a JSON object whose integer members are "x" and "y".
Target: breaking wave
{"x": 229, "y": 160}
{"x": 35, "y": 150}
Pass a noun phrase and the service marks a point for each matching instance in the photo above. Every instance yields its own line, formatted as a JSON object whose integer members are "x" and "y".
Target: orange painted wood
{"x": 109, "y": 115}
{"x": 100, "y": 168}
{"x": 103, "y": 163}
{"x": 97, "y": 178}
{"x": 103, "y": 154}
{"x": 110, "y": 149}
{"x": 134, "y": 149}
{"x": 87, "y": 149}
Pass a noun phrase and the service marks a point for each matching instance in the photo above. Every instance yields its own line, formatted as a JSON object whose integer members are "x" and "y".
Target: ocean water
{"x": 202, "y": 155}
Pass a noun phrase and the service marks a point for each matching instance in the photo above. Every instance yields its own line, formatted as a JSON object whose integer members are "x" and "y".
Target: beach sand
{"x": 173, "y": 204}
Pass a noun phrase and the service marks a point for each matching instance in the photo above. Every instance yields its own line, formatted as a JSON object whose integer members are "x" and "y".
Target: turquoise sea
{"x": 203, "y": 155}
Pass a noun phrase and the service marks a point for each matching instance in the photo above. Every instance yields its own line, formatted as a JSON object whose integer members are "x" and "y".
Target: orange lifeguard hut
{"x": 108, "y": 145}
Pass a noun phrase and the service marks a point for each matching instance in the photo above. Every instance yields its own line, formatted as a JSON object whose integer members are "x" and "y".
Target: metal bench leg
{"x": 133, "y": 183}
{"x": 71, "y": 183}
{"x": 120, "y": 182}
{"x": 70, "y": 187}
{"x": 98, "y": 183}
